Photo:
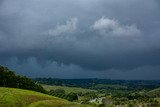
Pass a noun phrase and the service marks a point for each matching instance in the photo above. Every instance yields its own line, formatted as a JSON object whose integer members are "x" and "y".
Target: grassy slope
{"x": 12, "y": 97}
{"x": 155, "y": 92}
{"x": 67, "y": 89}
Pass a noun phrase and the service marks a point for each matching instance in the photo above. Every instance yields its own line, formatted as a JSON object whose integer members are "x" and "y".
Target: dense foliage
{"x": 9, "y": 79}
{"x": 61, "y": 93}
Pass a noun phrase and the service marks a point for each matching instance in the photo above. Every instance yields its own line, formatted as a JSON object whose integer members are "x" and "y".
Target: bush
{"x": 72, "y": 96}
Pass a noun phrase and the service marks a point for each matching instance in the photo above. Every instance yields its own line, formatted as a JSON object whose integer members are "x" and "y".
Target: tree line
{"x": 9, "y": 79}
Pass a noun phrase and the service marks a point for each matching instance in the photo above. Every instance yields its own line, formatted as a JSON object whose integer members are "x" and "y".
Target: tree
{"x": 72, "y": 96}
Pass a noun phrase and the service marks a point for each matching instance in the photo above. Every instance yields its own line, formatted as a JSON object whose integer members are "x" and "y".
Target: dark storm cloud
{"x": 84, "y": 36}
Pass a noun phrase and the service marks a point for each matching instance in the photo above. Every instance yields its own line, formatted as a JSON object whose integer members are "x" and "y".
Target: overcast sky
{"x": 113, "y": 39}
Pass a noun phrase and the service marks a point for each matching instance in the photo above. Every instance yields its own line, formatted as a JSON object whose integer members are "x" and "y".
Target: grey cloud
{"x": 53, "y": 69}
{"x": 69, "y": 27}
{"x": 61, "y": 31}
{"x": 30, "y": 67}
{"x": 140, "y": 73}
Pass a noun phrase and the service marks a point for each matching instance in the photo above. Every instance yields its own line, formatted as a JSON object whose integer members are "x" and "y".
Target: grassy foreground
{"x": 12, "y": 97}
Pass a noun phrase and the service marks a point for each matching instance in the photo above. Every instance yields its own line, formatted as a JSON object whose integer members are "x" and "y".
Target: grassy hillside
{"x": 67, "y": 89}
{"x": 12, "y": 97}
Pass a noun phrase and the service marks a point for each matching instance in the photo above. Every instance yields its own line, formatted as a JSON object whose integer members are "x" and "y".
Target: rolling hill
{"x": 12, "y": 97}
{"x": 154, "y": 93}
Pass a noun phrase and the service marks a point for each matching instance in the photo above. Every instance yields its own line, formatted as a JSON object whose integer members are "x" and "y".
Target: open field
{"x": 12, "y": 97}
{"x": 67, "y": 89}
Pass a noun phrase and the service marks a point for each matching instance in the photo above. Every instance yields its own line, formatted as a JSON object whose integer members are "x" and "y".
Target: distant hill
{"x": 9, "y": 79}
{"x": 67, "y": 89}
{"x": 154, "y": 93}
{"x": 12, "y": 97}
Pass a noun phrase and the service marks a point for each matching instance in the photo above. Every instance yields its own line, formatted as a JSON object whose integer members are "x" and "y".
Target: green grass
{"x": 12, "y": 97}
{"x": 67, "y": 89}
{"x": 56, "y": 103}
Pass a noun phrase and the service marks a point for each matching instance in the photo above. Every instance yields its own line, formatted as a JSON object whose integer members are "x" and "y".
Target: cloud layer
{"x": 89, "y": 37}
